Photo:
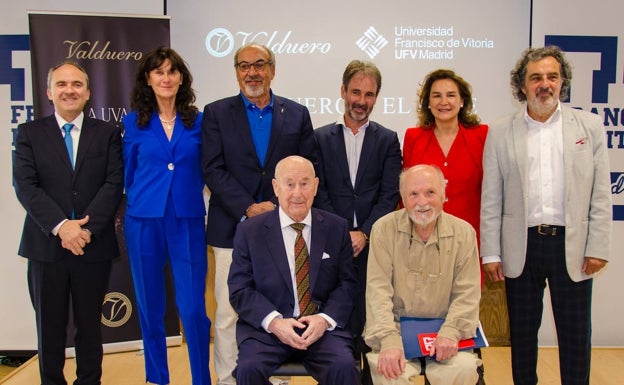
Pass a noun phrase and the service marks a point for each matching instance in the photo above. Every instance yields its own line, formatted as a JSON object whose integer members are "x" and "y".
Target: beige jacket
{"x": 440, "y": 279}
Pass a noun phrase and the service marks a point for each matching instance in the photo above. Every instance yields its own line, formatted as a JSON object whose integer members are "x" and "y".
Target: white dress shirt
{"x": 353, "y": 148}
{"x": 545, "y": 172}
{"x": 289, "y": 235}
{"x": 75, "y": 134}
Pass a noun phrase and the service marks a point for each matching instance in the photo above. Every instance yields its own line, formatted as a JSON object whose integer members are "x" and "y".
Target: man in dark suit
{"x": 269, "y": 293}
{"x": 69, "y": 236}
{"x": 359, "y": 178}
{"x": 244, "y": 136}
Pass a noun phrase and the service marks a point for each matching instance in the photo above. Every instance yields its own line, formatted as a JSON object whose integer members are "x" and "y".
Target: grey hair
{"x": 518, "y": 73}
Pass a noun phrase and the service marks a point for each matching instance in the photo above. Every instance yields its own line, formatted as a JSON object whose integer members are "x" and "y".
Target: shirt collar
{"x": 553, "y": 118}
{"x": 443, "y": 228}
{"x": 76, "y": 122}
{"x": 248, "y": 103}
{"x": 286, "y": 221}
{"x": 361, "y": 129}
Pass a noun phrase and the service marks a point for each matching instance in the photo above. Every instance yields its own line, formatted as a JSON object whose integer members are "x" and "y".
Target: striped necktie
{"x": 302, "y": 270}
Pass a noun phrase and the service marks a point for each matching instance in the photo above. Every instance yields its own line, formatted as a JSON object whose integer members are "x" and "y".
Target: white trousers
{"x": 225, "y": 348}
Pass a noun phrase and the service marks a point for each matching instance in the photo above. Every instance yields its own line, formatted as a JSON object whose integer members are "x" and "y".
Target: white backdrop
{"x": 480, "y": 50}
{"x": 314, "y": 41}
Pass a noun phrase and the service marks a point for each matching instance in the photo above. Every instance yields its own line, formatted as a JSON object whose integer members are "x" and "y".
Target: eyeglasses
{"x": 258, "y": 65}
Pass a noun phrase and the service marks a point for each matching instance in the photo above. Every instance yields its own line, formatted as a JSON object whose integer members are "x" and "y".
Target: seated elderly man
{"x": 292, "y": 283}
{"x": 422, "y": 262}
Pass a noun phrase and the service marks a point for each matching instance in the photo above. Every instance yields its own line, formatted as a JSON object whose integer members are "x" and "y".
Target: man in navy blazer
{"x": 359, "y": 173}
{"x": 244, "y": 136}
{"x": 263, "y": 286}
{"x": 68, "y": 237}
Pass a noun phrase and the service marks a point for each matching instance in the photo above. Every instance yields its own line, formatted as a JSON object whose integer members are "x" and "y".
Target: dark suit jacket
{"x": 49, "y": 189}
{"x": 232, "y": 172}
{"x": 260, "y": 280}
{"x": 376, "y": 191}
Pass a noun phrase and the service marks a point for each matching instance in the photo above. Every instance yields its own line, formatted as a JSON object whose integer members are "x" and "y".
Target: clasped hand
{"x": 391, "y": 362}
{"x": 73, "y": 237}
{"x": 285, "y": 330}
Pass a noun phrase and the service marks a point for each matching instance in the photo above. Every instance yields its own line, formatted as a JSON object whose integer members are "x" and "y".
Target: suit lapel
{"x": 520, "y": 148}
{"x": 474, "y": 143}
{"x": 318, "y": 238}
{"x": 240, "y": 126}
{"x": 87, "y": 133}
{"x": 368, "y": 147}
{"x": 275, "y": 244}
{"x": 338, "y": 148}
{"x": 277, "y": 126}
{"x": 53, "y": 131}
{"x": 569, "y": 137}
{"x": 178, "y": 132}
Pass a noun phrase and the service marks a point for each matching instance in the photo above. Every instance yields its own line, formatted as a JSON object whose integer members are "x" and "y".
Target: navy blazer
{"x": 260, "y": 280}
{"x": 50, "y": 190}
{"x": 231, "y": 168}
{"x": 156, "y": 167}
{"x": 376, "y": 190}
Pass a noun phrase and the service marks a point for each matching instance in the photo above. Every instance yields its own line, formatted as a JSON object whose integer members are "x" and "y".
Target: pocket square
{"x": 325, "y": 256}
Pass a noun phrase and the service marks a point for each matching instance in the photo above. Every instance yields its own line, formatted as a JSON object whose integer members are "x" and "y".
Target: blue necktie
{"x": 69, "y": 143}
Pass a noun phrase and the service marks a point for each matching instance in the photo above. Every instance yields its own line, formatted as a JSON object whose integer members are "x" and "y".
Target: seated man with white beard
{"x": 422, "y": 263}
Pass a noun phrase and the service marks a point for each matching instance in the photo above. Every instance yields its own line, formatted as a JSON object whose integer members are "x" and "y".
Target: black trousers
{"x": 51, "y": 285}
{"x": 571, "y": 304}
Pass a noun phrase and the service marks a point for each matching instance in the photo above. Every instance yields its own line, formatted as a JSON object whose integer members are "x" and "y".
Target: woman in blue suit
{"x": 165, "y": 211}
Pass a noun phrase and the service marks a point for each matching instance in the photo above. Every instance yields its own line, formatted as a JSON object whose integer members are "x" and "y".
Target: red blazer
{"x": 462, "y": 167}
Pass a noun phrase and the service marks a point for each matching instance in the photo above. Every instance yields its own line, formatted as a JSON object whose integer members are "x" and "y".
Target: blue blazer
{"x": 260, "y": 280}
{"x": 231, "y": 168}
{"x": 155, "y": 168}
{"x": 376, "y": 190}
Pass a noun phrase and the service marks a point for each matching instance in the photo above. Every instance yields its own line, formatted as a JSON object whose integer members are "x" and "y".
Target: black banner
{"x": 109, "y": 48}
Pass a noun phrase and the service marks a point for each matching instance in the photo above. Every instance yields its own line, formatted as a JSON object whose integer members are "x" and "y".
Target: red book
{"x": 418, "y": 335}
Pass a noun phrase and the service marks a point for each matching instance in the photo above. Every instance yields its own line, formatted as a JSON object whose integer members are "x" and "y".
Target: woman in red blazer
{"x": 451, "y": 137}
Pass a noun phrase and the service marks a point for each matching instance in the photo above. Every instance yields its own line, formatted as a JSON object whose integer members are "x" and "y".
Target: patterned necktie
{"x": 302, "y": 269}
{"x": 69, "y": 143}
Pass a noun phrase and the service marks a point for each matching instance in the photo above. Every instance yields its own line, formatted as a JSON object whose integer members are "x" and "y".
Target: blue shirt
{"x": 260, "y": 122}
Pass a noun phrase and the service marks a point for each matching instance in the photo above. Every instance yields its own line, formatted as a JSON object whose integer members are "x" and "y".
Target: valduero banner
{"x": 109, "y": 47}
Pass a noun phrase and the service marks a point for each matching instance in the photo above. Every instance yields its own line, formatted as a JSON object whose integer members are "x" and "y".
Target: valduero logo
{"x": 219, "y": 42}
{"x": 116, "y": 310}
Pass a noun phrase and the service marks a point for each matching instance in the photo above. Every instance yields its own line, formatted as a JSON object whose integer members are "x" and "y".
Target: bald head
{"x": 422, "y": 191}
{"x": 295, "y": 186}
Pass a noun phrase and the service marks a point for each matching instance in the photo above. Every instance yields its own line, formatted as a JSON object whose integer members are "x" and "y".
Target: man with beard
{"x": 546, "y": 214}
{"x": 243, "y": 138}
{"x": 359, "y": 175}
{"x": 422, "y": 263}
